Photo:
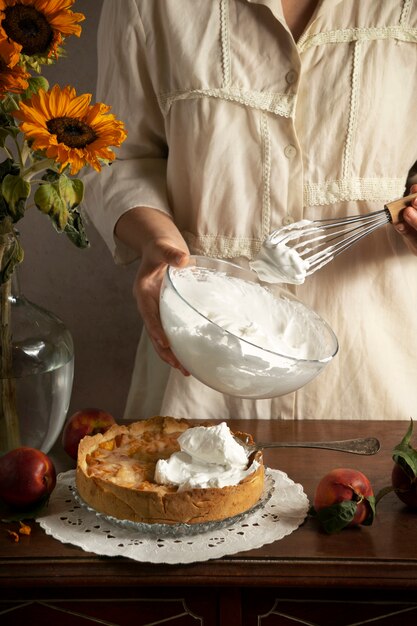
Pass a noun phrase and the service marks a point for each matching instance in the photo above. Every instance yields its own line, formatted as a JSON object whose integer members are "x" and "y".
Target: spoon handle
{"x": 368, "y": 446}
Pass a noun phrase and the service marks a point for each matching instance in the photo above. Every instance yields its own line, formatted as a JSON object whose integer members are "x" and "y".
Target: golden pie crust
{"x": 115, "y": 473}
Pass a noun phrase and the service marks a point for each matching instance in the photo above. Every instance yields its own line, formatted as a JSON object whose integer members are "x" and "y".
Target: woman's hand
{"x": 408, "y": 227}
{"x": 158, "y": 242}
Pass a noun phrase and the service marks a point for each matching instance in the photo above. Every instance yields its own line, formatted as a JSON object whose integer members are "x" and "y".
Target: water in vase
{"x": 40, "y": 382}
{"x": 42, "y": 404}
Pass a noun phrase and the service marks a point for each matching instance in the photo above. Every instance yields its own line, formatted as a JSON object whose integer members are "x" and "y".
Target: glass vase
{"x": 36, "y": 370}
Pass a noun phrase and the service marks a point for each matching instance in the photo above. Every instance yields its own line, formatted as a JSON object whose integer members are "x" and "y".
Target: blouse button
{"x": 291, "y": 77}
{"x": 287, "y": 220}
{"x": 290, "y": 151}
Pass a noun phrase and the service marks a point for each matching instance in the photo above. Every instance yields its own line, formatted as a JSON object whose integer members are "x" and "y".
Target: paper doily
{"x": 69, "y": 522}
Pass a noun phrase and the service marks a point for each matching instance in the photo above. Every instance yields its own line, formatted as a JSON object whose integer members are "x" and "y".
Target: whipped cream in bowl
{"x": 239, "y": 335}
{"x": 209, "y": 456}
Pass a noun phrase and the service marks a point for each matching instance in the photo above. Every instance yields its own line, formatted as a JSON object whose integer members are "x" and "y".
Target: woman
{"x": 245, "y": 115}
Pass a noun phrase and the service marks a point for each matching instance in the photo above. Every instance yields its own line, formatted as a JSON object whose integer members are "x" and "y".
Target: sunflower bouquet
{"x": 47, "y": 135}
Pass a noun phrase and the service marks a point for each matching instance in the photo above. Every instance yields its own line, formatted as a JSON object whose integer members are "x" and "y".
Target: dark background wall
{"x": 84, "y": 288}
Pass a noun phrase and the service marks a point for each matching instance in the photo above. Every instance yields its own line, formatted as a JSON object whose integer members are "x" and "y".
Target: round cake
{"x": 116, "y": 476}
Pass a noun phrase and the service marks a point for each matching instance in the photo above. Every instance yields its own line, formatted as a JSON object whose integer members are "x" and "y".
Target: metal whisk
{"x": 317, "y": 242}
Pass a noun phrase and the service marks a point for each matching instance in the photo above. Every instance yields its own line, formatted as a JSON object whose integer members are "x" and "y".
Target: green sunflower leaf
{"x": 59, "y": 198}
{"x": 50, "y": 176}
{"x": 8, "y": 167}
{"x": 15, "y": 191}
{"x": 13, "y": 255}
{"x": 75, "y": 230}
{"x": 4, "y": 135}
{"x": 48, "y": 200}
{"x": 35, "y": 83}
{"x": 71, "y": 191}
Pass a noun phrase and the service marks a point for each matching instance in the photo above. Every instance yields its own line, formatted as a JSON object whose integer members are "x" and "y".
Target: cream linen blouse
{"x": 235, "y": 129}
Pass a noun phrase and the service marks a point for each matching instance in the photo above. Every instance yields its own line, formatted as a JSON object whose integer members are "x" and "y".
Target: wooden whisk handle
{"x": 396, "y": 207}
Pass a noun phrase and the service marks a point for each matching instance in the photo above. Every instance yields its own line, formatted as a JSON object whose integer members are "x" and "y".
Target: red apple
{"x": 344, "y": 497}
{"x": 27, "y": 476}
{"x": 82, "y": 423}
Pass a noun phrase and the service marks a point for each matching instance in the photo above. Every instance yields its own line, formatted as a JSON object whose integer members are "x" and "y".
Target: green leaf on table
{"x": 372, "y": 511}
{"x": 337, "y": 516}
{"x": 15, "y": 191}
{"x": 405, "y": 455}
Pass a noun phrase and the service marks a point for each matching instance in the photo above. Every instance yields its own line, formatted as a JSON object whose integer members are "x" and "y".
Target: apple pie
{"x": 116, "y": 476}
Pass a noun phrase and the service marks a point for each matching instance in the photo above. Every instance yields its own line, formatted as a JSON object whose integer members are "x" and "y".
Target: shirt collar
{"x": 275, "y": 7}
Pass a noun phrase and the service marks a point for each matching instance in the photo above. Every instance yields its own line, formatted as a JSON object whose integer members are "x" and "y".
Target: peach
{"x": 344, "y": 497}
{"x": 405, "y": 485}
{"x": 89, "y": 421}
{"x": 27, "y": 476}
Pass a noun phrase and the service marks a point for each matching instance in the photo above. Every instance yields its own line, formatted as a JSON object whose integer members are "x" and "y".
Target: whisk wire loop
{"x": 318, "y": 241}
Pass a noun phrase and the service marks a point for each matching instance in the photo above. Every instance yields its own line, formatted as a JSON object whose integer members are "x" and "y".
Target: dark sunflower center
{"x": 28, "y": 27}
{"x": 72, "y": 132}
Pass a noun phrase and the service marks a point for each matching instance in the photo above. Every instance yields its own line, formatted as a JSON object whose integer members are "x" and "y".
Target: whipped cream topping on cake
{"x": 209, "y": 456}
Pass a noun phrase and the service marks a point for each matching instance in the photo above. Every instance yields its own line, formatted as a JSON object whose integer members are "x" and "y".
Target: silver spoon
{"x": 368, "y": 446}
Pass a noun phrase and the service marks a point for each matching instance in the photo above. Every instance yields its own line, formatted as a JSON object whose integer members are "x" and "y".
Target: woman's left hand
{"x": 408, "y": 227}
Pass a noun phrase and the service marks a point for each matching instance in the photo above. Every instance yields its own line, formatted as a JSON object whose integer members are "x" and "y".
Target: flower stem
{"x": 38, "y": 166}
{"x": 9, "y": 419}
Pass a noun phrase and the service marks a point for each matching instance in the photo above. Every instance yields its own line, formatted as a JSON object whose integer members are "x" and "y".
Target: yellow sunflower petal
{"x": 68, "y": 129}
{"x": 78, "y": 107}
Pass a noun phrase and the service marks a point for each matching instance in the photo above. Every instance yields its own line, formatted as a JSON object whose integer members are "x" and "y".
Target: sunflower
{"x": 37, "y": 27}
{"x": 68, "y": 129}
{"x": 13, "y": 78}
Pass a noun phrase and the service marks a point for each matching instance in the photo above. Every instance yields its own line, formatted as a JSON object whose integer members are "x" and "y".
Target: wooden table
{"x": 328, "y": 580}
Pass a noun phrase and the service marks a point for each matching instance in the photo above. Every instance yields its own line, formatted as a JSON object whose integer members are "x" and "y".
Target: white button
{"x": 291, "y": 77}
{"x": 287, "y": 220}
{"x": 290, "y": 151}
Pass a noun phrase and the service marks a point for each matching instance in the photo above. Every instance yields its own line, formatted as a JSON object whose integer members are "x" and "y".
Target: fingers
{"x": 408, "y": 227}
{"x": 146, "y": 291}
{"x": 148, "y": 305}
{"x": 175, "y": 257}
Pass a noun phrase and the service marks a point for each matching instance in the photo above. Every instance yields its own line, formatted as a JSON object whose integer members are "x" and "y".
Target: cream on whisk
{"x": 277, "y": 262}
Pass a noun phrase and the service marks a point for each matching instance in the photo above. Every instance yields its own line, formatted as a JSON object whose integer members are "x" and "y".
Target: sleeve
{"x": 138, "y": 175}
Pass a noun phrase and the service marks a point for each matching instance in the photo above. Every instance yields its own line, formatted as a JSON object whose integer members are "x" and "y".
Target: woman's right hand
{"x": 154, "y": 236}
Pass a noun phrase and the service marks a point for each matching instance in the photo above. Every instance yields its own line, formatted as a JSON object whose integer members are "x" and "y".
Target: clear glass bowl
{"x": 215, "y": 342}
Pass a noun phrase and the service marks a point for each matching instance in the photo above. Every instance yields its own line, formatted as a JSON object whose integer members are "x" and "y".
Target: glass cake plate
{"x": 179, "y": 530}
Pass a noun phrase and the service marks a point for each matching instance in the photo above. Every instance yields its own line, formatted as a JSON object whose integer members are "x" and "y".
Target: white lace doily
{"x": 70, "y": 522}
